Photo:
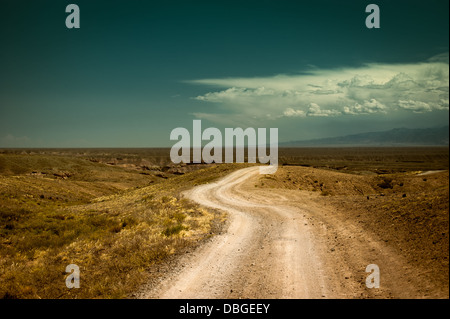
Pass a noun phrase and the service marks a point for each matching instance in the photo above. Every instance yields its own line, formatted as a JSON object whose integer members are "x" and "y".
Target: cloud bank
{"x": 371, "y": 89}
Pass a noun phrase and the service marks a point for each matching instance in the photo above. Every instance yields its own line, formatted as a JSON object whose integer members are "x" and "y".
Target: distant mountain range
{"x": 438, "y": 136}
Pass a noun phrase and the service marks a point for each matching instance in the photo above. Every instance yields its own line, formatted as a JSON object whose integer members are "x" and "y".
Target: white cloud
{"x": 234, "y": 94}
{"x": 312, "y": 110}
{"x": 443, "y": 57}
{"x": 444, "y": 103}
{"x": 368, "y": 107}
{"x": 315, "y": 110}
{"x": 290, "y": 112}
{"x": 415, "y": 106}
{"x": 370, "y": 89}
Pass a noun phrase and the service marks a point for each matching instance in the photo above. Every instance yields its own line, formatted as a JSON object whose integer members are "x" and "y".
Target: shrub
{"x": 173, "y": 230}
{"x": 386, "y": 183}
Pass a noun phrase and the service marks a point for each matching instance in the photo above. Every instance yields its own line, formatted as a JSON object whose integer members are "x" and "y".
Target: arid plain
{"x": 139, "y": 226}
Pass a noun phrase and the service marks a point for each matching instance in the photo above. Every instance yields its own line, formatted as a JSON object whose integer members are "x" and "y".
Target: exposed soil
{"x": 310, "y": 233}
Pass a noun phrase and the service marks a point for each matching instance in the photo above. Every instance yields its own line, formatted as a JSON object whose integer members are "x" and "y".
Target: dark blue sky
{"x": 137, "y": 69}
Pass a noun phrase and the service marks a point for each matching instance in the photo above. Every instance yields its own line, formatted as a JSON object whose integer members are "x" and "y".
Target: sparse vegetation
{"x": 398, "y": 208}
{"x": 366, "y": 160}
{"x": 386, "y": 183}
{"x": 117, "y": 213}
{"x": 325, "y": 193}
{"x": 96, "y": 219}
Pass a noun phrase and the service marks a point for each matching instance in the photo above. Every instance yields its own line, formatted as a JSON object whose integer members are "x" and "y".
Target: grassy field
{"x": 113, "y": 222}
{"x": 118, "y": 212}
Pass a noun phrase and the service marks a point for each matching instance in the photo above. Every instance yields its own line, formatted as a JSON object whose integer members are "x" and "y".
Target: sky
{"x": 135, "y": 70}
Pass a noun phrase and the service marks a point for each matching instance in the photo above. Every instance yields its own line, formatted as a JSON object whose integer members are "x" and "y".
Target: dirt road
{"x": 282, "y": 244}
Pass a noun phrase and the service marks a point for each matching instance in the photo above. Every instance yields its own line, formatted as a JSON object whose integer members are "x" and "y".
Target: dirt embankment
{"x": 405, "y": 212}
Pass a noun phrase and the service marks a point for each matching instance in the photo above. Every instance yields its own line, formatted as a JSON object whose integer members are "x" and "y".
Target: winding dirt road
{"x": 266, "y": 252}
{"x": 281, "y": 244}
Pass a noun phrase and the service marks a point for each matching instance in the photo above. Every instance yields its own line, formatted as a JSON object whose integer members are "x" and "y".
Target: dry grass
{"x": 101, "y": 222}
{"x": 117, "y": 220}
